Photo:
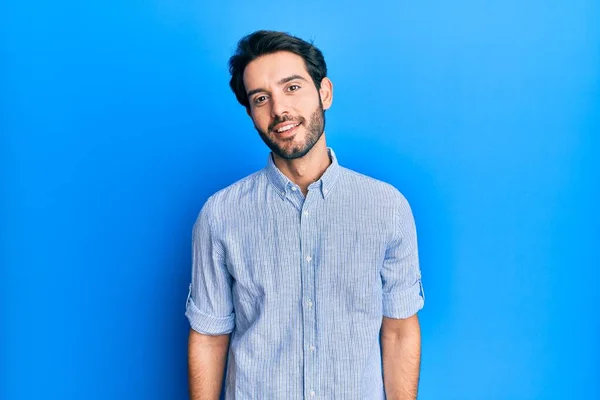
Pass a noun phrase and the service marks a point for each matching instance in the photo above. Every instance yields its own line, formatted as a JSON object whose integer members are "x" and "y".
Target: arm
{"x": 401, "y": 353}
{"x": 209, "y": 309}
{"x": 403, "y": 297}
{"x": 206, "y": 364}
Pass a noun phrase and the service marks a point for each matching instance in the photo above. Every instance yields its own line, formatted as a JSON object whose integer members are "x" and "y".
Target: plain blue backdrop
{"x": 117, "y": 123}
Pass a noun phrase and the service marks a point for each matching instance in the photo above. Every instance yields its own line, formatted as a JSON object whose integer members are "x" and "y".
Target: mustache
{"x": 284, "y": 119}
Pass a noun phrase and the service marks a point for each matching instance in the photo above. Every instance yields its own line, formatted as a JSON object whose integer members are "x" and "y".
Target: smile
{"x": 286, "y": 128}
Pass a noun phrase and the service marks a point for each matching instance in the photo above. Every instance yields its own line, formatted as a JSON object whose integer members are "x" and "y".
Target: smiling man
{"x": 305, "y": 275}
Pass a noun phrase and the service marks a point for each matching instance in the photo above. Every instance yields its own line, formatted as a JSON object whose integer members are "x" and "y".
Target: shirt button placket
{"x": 307, "y": 245}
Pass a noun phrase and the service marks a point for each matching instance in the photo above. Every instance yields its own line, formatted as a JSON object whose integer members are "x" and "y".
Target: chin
{"x": 294, "y": 152}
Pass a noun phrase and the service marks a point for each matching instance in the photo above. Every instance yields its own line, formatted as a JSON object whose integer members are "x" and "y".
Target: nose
{"x": 279, "y": 106}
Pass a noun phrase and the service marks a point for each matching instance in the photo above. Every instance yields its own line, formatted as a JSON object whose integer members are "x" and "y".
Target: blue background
{"x": 117, "y": 123}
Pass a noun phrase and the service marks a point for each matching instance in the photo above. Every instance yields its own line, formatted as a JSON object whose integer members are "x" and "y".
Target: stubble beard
{"x": 314, "y": 131}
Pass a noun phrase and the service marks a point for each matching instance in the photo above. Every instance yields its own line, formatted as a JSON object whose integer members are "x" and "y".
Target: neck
{"x": 308, "y": 169}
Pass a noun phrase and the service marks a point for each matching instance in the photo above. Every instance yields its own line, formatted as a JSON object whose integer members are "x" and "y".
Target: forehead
{"x": 271, "y": 68}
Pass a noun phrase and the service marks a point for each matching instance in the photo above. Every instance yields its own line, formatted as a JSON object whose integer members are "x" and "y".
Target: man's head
{"x": 281, "y": 80}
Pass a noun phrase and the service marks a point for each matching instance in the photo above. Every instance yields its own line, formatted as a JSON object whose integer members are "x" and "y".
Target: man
{"x": 311, "y": 268}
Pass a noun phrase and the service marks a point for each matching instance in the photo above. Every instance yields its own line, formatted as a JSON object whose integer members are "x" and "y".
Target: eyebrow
{"x": 281, "y": 82}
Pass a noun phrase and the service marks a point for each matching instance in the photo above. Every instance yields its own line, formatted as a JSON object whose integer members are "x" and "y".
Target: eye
{"x": 260, "y": 99}
{"x": 293, "y": 88}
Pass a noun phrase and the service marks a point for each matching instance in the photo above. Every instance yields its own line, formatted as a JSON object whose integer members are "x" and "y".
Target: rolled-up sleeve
{"x": 403, "y": 292}
{"x": 209, "y": 306}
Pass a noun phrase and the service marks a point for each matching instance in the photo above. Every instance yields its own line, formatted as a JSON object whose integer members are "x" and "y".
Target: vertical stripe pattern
{"x": 302, "y": 283}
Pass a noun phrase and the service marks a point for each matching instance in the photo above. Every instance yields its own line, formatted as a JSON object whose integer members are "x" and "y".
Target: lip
{"x": 286, "y": 134}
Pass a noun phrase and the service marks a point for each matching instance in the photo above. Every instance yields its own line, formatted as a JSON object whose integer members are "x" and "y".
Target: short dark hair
{"x": 260, "y": 43}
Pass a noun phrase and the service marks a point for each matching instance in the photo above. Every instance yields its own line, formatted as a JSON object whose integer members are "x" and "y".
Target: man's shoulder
{"x": 370, "y": 186}
{"x": 226, "y": 199}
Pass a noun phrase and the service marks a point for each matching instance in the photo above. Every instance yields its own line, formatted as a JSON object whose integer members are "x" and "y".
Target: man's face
{"x": 285, "y": 106}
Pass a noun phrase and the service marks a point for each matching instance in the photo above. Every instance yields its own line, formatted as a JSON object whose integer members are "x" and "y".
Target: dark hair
{"x": 259, "y": 43}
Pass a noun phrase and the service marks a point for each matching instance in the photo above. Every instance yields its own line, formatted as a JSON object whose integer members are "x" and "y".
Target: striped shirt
{"x": 302, "y": 283}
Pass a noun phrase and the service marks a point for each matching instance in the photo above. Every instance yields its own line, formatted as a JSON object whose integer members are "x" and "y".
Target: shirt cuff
{"x": 404, "y": 304}
{"x": 207, "y": 324}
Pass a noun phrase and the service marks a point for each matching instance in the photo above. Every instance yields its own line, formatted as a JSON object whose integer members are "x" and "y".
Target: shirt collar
{"x": 325, "y": 184}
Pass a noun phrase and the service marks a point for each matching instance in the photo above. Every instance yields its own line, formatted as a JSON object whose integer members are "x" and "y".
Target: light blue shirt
{"x": 302, "y": 283}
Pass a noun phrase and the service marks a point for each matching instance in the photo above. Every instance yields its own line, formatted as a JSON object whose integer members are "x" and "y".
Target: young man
{"x": 312, "y": 268}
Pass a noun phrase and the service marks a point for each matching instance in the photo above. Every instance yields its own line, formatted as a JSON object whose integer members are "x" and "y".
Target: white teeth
{"x": 287, "y": 128}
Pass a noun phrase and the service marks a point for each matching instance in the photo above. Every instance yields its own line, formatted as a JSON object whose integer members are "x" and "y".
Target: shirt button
{"x": 309, "y": 303}
{"x": 325, "y": 191}
{"x": 294, "y": 188}
{"x": 311, "y": 348}
{"x": 312, "y": 393}
{"x": 306, "y": 213}
{"x": 308, "y": 258}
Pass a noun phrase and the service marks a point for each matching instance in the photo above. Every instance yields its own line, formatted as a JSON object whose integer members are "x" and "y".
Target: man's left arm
{"x": 401, "y": 353}
{"x": 403, "y": 297}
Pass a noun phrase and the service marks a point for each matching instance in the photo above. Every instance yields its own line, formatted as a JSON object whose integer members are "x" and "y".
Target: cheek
{"x": 260, "y": 119}
{"x": 308, "y": 106}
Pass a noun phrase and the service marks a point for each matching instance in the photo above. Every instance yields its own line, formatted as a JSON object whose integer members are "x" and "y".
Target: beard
{"x": 285, "y": 148}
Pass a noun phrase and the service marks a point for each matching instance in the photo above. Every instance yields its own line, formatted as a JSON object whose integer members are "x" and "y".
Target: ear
{"x": 326, "y": 92}
{"x": 249, "y": 112}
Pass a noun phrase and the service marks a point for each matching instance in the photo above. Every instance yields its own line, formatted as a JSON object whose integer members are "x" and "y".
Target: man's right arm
{"x": 206, "y": 364}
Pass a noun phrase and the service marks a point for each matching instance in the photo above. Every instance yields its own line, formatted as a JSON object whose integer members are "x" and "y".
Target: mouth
{"x": 286, "y": 129}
